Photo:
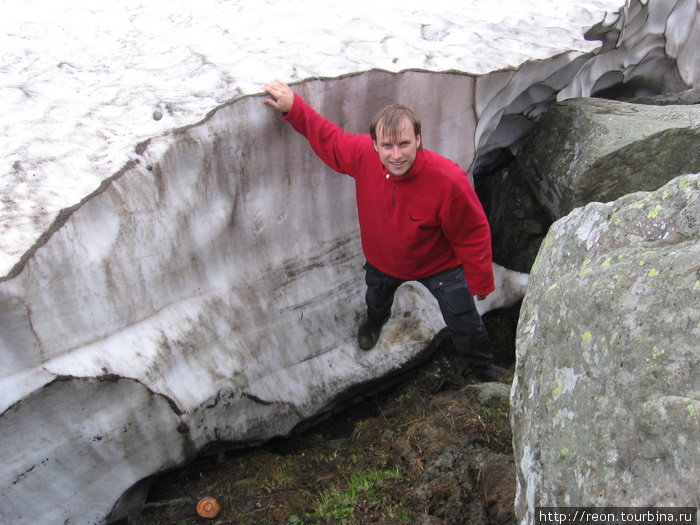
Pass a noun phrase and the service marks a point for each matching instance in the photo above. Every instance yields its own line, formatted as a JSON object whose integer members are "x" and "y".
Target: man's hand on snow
{"x": 282, "y": 94}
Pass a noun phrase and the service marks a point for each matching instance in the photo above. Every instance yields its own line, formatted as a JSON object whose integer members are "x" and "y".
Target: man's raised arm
{"x": 341, "y": 151}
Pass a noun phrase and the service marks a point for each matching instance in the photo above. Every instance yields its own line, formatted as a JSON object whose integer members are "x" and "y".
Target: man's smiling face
{"x": 398, "y": 153}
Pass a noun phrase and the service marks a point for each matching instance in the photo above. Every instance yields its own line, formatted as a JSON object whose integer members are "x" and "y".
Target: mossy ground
{"x": 427, "y": 451}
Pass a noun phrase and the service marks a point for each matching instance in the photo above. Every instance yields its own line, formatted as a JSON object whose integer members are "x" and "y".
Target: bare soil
{"x": 431, "y": 450}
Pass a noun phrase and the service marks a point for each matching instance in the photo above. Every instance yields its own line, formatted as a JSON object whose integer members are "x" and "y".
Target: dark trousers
{"x": 454, "y": 299}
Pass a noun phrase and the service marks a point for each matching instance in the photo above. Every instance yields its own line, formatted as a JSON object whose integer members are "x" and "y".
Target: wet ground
{"x": 433, "y": 449}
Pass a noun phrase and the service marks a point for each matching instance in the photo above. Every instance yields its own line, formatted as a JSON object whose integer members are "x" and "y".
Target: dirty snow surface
{"x": 83, "y": 82}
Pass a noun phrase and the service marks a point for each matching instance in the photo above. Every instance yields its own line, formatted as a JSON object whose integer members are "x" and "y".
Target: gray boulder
{"x": 684, "y": 98}
{"x": 587, "y": 150}
{"x": 606, "y": 396}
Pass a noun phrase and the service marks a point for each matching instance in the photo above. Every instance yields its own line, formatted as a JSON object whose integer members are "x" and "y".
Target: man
{"x": 420, "y": 219}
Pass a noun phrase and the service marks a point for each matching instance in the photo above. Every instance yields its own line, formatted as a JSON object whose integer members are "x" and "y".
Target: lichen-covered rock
{"x": 684, "y": 98}
{"x": 606, "y": 396}
{"x": 587, "y": 150}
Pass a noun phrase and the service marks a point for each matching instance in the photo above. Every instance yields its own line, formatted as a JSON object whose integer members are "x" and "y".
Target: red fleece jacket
{"x": 414, "y": 226}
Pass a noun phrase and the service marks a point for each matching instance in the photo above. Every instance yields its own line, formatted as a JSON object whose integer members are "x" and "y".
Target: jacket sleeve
{"x": 466, "y": 227}
{"x": 341, "y": 151}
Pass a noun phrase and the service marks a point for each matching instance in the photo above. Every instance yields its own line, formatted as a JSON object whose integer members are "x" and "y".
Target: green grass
{"x": 338, "y": 503}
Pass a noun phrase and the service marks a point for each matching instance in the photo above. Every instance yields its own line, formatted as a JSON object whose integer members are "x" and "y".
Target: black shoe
{"x": 490, "y": 373}
{"x": 368, "y": 335}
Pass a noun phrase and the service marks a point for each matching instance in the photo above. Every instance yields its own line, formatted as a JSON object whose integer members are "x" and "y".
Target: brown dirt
{"x": 427, "y": 451}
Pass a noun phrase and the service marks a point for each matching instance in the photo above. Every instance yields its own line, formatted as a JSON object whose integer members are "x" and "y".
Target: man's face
{"x": 398, "y": 154}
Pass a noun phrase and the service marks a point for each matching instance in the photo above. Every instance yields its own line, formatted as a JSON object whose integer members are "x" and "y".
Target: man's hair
{"x": 389, "y": 120}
